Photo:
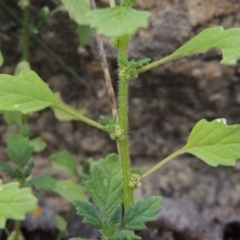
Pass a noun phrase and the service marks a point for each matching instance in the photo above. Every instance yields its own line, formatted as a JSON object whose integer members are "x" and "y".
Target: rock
{"x": 180, "y": 219}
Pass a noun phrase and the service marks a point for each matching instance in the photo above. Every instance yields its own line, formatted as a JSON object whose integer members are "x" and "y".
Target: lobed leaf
{"x": 84, "y": 33}
{"x": 118, "y": 21}
{"x": 215, "y": 142}
{"x": 115, "y": 217}
{"x": 25, "y": 93}
{"x": 128, "y": 2}
{"x": 70, "y": 190}
{"x": 228, "y": 41}
{"x": 38, "y": 144}
{"x": 87, "y": 169}
{"x": 124, "y": 234}
{"x": 141, "y": 212}
{"x": 25, "y": 131}
{"x": 18, "y": 149}
{"x": 78, "y": 238}
{"x": 106, "y": 187}
{"x": 15, "y": 202}
{"x": 89, "y": 214}
{"x": 64, "y": 161}
{"x": 77, "y": 10}
{"x": 61, "y": 223}
{"x": 12, "y": 117}
{"x": 22, "y": 66}
{"x": 42, "y": 17}
{"x": 45, "y": 182}
{"x": 28, "y": 170}
{"x": 8, "y": 170}
{"x": 63, "y": 116}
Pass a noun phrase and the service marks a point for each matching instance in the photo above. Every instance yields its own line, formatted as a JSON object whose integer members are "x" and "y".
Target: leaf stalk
{"x": 82, "y": 118}
{"x": 156, "y": 64}
{"x": 162, "y": 163}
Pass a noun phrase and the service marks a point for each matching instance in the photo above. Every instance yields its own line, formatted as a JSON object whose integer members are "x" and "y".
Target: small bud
{"x": 114, "y": 42}
{"x": 118, "y": 133}
{"x": 135, "y": 181}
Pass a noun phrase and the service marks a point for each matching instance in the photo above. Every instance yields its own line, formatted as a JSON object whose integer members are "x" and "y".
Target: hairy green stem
{"x": 123, "y": 122}
{"x": 25, "y": 34}
{"x": 162, "y": 163}
{"x": 156, "y": 64}
{"x": 82, "y": 118}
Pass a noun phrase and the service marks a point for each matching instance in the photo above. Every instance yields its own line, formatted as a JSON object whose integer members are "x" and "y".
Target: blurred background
{"x": 165, "y": 103}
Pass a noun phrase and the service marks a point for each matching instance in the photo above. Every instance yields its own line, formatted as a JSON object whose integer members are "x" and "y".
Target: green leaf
{"x": 18, "y": 149}
{"x": 15, "y": 202}
{"x": 109, "y": 124}
{"x": 215, "y": 142}
{"x": 23, "y": 3}
{"x": 84, "y": 33}
{"x": 78, "y": 238}
{"x": 124, "y": 234}
{"x": 25, "y": 130}
{"x": 12, "y": 117}
{"x": 89, "y": 214}
{"x": 228, "y": 41}
{"x": 1, "y": 59}
{"x": 128, "y": 2}
{"x": 8, "y": 170}
{"x": 28, "y": 169}
{"x": 112, "y": 222}
{"x": 70, "y": 190}
{"x": 87, "y": 169}
{"x": 141, "y": 212}
{"x": 25, "y": 93}
{"x": 38, "y": 144}
{"x": 118, "y": 21}
{"x": 106, "y": 187}
{"x": 63, "y": 116}
{"x": 77, "y": 10}
{"x": 61, "y": 223}
{"x": 44, "y": 182}
{"x": 64, "y": 161}
{"x": 22, "y": 66}
{"x": 40, "y": 19}
{"x": 115, "y": 217}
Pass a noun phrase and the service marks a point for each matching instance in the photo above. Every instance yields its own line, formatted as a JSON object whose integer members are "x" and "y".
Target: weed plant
{"x": 112, "y": 180}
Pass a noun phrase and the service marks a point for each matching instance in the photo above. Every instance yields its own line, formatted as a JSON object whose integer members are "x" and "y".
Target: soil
{"x": 200, "y": 202}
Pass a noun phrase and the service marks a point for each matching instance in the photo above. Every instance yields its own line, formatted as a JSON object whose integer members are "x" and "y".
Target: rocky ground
{"x": 200, "y": 202}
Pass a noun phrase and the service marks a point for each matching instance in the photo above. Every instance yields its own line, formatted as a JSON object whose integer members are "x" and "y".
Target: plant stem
{"x": 123, "y": 122}
{"x": 162, "y": 163}
{"x": 81, "y": 118}
{"x": 17, "y": 230}
{"x": 156, "y": 64}
{"x": 25, "y": 34}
